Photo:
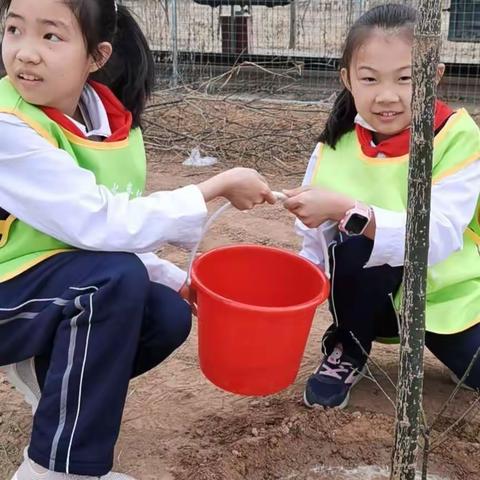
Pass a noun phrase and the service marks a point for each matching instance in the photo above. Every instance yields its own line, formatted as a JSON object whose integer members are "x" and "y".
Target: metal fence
{"x": 286, "y": 47}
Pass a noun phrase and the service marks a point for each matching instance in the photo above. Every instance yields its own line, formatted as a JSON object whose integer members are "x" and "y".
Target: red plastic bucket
{"x": 255, "y": 309}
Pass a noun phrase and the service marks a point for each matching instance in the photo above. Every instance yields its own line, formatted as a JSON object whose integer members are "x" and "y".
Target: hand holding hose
{"x": 242, "y": 187}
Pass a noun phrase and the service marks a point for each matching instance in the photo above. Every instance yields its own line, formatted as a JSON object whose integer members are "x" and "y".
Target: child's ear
{"x": 345, "y": 79}
{"x": 440, "y": 72}
{"x": 104, "y": 51}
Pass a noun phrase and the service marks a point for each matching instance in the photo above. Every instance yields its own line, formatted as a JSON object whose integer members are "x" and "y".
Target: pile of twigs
{"x": 269, "y": 135}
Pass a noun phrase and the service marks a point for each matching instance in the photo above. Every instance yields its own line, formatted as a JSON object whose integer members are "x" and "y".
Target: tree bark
{"x": 410, "y": 384}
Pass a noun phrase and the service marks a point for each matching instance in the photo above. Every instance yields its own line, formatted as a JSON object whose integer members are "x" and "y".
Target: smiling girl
{"x": 355, "y": 192}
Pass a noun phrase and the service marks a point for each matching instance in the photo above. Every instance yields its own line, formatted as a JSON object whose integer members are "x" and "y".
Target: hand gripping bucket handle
{"x": 279, "y": 196}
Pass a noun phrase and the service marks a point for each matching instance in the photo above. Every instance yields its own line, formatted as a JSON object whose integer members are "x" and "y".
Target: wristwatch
{"x": 356, "y": 219}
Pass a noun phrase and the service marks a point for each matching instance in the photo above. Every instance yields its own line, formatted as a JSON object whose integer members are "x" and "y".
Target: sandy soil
{"x": 177, "y": 425}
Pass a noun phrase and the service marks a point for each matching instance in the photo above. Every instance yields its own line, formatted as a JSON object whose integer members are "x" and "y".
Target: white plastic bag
{"x": 196, "y": 160}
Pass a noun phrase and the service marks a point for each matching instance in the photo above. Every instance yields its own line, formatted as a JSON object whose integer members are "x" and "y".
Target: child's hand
{"x": 243, "y": 187}
{"x": 315, "y": 205}
{"x": 189, "y": 294}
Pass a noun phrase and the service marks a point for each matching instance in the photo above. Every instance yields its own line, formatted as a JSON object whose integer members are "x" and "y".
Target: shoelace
{"x": 343, "y": 367}
{"x": 339, "y": 366}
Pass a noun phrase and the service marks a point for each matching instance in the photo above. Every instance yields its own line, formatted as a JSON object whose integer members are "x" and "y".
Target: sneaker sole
{"x": 345, "y": 401}
{"x": 316, "y": 405}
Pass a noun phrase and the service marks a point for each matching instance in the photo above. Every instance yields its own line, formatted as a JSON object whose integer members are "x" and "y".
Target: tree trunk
{"x": 410, "y": 384}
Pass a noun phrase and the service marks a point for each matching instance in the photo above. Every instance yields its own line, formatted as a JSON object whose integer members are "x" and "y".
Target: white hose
{"x": 279, "y": 196}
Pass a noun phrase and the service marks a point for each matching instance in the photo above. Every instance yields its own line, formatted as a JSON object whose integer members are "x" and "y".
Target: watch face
{"x": 356, "y": 223}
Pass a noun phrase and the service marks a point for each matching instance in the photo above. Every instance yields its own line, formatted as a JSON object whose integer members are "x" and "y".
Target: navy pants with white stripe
{"x": 92, "y": 320}
{"x": 361, "y": 306}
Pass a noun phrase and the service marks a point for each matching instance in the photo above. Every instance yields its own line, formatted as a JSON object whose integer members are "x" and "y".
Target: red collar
{"x": 398, "y": 145}
{"x": 119, "y": 118}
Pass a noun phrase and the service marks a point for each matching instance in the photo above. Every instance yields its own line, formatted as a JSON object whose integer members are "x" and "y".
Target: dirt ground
{"x": 178, "y": 426}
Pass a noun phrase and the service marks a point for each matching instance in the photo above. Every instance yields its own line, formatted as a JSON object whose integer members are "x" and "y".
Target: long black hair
{"x": 130, "y": 70}
{"x": 394, "y": 17}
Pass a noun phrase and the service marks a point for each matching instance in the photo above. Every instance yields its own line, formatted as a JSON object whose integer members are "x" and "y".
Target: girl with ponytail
{"x": 84, "y": 303}
{"x": 355, "y": 193}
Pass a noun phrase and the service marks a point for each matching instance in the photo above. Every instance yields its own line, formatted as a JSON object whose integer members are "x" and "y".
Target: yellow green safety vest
{"x": 453, "y": 285}
{"x": 119, "y": 166}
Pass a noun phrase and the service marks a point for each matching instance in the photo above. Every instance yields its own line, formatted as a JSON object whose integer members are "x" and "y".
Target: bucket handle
{"x": 279, "y": 196}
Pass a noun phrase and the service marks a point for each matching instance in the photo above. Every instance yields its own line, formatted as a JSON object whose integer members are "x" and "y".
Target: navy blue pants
{"x": 92, "y": 320}
{"x": 361, "y": 305}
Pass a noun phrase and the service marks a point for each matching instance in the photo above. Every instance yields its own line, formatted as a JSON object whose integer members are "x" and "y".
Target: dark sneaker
{"x": 331, "y": 383}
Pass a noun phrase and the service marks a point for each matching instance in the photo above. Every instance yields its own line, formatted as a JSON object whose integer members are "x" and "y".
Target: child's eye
{"x": 368, "y": 79}
{"x": 52, "y": 37}
{"x": 406, "y": 78}
{"x": 13, "y": 30}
